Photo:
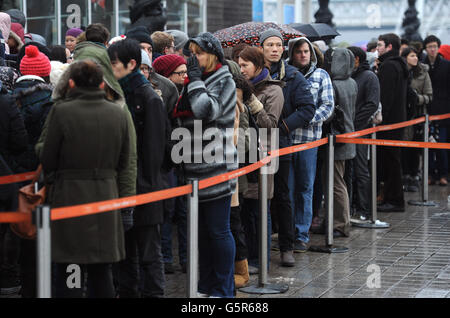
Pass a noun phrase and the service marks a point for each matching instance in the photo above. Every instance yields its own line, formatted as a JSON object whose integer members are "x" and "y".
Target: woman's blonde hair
{"x": 212, "y": 59}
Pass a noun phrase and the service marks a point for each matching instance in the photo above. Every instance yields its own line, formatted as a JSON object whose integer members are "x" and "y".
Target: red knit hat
{"x": 445, "y": 51}
{"x": 167, "y": 64}
{"x": 35, "y": 62}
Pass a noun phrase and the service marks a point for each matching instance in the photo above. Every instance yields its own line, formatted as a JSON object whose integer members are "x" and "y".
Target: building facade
{"x": 52, "y": 18}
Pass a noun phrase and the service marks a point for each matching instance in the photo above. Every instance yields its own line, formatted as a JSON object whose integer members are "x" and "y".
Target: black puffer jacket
{"x": 33, "y": 97}
{"x": 13, "y": 135}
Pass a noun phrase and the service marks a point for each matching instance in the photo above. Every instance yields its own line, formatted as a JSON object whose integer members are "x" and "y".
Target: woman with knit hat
{"x": 71, "y": 38}
{"x": 209, "y": 99}
{"x": 33, "y": 97}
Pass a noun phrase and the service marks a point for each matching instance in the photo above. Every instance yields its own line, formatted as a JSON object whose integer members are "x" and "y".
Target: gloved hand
{"x": 127, "y": 218}
{"x": 255, "y": 105}
{"x": 193, "y": 69}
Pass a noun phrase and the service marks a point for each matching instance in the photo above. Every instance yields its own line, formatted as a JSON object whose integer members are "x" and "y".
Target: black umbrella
{"x": 315, "y": 31}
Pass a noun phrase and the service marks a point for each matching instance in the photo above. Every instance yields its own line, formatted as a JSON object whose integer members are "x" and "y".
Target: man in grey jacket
{"x": 367, "y": 103}
{"x": 346, "y": 90}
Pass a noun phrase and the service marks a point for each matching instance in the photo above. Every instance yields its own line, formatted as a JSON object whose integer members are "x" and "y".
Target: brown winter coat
{"x": 86, "y": 147}
{"x": 270, "y": 94}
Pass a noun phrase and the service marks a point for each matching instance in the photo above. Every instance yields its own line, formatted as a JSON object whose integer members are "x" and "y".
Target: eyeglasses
{"x": 145, "y": 69}
{"x": 180, "y": 73}
{"x": 431, "y": 47}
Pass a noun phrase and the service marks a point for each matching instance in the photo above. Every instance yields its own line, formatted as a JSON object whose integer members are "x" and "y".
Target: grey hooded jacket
{"x": 346, "y": 88}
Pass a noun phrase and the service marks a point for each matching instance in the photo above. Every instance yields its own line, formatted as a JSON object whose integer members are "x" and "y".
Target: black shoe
{"x": 183, "y": 268}
{"x": 9, "y": 286}
{"x": 168, "y": 268}
{"x": 337, "y": 234}
{"x": 387, "y": 207}
{"x": 287, "y": 259}
{"x": 275, "y": 247}
{"x": 300, "y": 247}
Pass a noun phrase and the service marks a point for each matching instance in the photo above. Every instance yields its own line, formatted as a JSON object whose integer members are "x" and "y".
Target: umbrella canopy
{"x": 249, "y": 33}
{"x": 315, "y": 31}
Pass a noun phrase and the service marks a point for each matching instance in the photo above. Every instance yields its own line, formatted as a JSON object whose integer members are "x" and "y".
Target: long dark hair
{"x": 416, "y": 70}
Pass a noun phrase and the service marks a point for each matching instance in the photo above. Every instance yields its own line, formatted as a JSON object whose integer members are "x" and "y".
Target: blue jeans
{"x": 216, "y": 248}
{"x": 179, "y": 215}
{"x": 250, "y": 221}
{"x": 301, "y": 186}
{"x": 439, "y": 157}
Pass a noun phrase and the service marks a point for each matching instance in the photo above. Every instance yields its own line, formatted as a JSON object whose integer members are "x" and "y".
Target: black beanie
{"x": 141, "y": 34}
{"x": 210, "y": 44}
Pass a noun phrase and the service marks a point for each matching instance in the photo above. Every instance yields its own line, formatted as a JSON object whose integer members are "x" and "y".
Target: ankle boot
{"x": 241, "y": 275}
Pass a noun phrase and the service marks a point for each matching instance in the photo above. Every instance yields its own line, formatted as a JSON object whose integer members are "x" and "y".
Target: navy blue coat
{"x": 299, "y": 107}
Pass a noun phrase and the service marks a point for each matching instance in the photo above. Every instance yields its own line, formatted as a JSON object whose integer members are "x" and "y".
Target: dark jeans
{"x": 237, "y": 230}
{"x": 99, "y": 282}
{"x": 392, "y": 175}
{"x": 439, "y": 157}
{"x": 27, "y": 262}
{"x": 282, "y": 203}
{"x": 177, "y": 215}
{"x": 318, "y": 187}
{"x": 250, "y": 220}
{"x": 9, "y": 256}
{"x": 361, "y": 180}
{"x": 126, "y": 272}
{"x": 216, "y": 248}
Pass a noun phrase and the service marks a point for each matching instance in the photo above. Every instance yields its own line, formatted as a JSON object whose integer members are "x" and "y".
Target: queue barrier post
{"x": 424, "y": 201}
{"x": 329, "y": 203}
{"x": 373, "y": 223}
{"x": 192, "y": 241}
{"x": 263, "y": 286}
{"x": 43, "y": 251}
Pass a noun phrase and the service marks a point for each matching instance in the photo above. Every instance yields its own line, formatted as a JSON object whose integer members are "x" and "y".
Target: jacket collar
{"x": 86, "y": 93}
{"x": 30, "y": 78}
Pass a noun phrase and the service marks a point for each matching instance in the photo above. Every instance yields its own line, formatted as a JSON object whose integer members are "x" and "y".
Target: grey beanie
{"x": 180, "y": 38}
{"x": 210, "y": 44}
{"x": 269, "y": 33}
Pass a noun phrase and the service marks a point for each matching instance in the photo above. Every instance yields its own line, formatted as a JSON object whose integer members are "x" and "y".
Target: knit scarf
{"x": 260, "y": 77}
{"x": 183, "y": 107}
{"x": 129, "y": 84}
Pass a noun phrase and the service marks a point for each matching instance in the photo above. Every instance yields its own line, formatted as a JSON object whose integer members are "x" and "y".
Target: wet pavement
{"x": 409, "y": 259}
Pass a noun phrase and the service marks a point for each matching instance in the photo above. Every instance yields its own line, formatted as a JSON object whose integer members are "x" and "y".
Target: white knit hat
{"x": 57, "y": 70}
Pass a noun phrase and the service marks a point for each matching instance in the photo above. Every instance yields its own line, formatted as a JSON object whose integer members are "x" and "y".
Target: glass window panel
{"x": 194, "y": 17}
{"x": 74, "y": 14}
{"x": 124, "y": 15}
{"x": 41, "y": 19}
{"x": 103, "y": 12}
{"x": 10, "y": 4}
{"x": 175, "y": 14}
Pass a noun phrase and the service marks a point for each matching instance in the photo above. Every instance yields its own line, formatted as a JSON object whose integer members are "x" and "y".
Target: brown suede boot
{"x": 241, "y": 276}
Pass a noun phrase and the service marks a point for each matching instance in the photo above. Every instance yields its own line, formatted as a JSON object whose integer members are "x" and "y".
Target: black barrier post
{"x": 424, "y": 201}
{"x": 43, "y": 251}
{"x": 373, "y": 223}
{"x": 329, "y": 203}
{"x": 263, "y": 287}
{"x": 192, "y": 242}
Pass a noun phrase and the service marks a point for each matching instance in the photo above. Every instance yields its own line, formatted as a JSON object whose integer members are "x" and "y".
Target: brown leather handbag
{"x": 29, "y": 198}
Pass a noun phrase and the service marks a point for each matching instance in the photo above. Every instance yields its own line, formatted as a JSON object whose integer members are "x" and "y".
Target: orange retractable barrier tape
{"x": 18, "y": 177}
{"x": 394, "y": 143}
{"x": 14, "y": 217}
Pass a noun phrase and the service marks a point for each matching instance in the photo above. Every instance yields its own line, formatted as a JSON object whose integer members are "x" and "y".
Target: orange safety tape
{"x": 383, "y": 128}
{"x": 394, "y": 143}
{"x": 18, "y": 177}
{"x": 103, "y": 206}
{"x": 297, "y": 148}
{"x": 14, "y": 217}
{"x": 205, "y": 183}
{"x": 439, "y": 117}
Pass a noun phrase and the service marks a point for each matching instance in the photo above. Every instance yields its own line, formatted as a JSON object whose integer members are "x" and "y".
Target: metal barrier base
{"x": 422, "y": 203}
{"x": 371, "y": 225}
{"x": 265, "y": 289}
{"x": 328, "y": 249}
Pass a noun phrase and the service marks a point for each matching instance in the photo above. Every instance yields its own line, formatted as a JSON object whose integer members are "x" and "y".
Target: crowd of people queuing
{"x": 99, "y": 115}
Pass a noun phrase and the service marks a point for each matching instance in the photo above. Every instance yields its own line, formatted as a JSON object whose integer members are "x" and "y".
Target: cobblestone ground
{"x": 413, "y": 256}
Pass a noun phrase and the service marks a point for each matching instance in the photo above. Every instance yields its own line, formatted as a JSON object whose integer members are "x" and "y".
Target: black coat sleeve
{"x": 17, "y": 136}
